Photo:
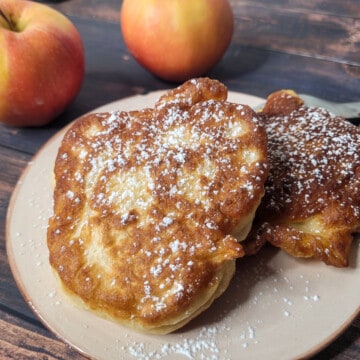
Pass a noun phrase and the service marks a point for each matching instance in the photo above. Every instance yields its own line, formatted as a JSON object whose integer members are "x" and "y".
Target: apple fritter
{"x": 147, "y": 205}
{"x": 311, "y": 206}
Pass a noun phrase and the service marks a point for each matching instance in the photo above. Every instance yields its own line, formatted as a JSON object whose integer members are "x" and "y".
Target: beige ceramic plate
{"x": 276, "y": 307}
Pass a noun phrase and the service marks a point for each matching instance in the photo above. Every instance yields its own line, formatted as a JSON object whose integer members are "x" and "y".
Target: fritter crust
{"x": 311, "y": 205}
{"x": 145, "y": 202}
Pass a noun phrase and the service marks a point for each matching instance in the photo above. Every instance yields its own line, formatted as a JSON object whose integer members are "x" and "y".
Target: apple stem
{"x": 10, "y": 23}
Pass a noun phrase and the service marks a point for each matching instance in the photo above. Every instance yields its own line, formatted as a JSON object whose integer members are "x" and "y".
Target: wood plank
{"x": 10, "y": 296}
{"x": 9, "y": 293}
{"x": 347, "y": 8}
{"x": 312, "y": 34}
{"x": 15, "y": 163}
{"x": 20, "y": 341}
{"x": 252, "y": 70}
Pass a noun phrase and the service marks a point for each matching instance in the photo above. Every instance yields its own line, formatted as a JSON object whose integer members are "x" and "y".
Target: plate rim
{"x": 14, "y": 266}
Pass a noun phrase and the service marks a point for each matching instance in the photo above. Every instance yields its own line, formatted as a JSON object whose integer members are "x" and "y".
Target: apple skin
{"x": 177, "y": 39}
{"x": 41, "y": 63}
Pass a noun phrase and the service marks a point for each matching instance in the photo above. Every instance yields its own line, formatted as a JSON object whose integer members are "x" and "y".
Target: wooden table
{"x": 310, "y": 46}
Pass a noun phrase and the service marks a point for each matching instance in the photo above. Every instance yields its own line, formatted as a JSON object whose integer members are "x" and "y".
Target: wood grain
{"x": 10, "y": 296}
{"x": 345, "y": 8}
{"x": 20, "y": 341}
{"x": 313, "y": 34}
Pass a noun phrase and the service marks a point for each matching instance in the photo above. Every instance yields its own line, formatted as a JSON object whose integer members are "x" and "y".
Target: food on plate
{"x": 149, "y": 205}
{"x": 311, "y": 206}
{"x": 41, "y": 63}
{"x": 177, "y": 40}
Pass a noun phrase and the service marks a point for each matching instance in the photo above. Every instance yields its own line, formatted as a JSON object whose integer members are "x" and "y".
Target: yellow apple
{"x": 177, "y": 39}
{"x": 41, "y": 63}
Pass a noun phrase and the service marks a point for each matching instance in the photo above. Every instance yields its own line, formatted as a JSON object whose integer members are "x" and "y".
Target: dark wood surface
{"x": 310, "y": 46}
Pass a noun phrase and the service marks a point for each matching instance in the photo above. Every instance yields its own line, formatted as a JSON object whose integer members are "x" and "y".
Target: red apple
{"x": 41, "y": 63}
{"x": 177, "y": 39}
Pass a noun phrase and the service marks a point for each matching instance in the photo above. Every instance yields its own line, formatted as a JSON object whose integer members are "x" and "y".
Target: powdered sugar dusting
{"x": 203, "y": 346}
{"x": 308, "y": 150}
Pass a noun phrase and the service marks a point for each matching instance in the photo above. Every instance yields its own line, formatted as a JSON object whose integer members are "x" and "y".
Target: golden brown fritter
{"x": 311, "y": 205}
{"x": 145, "y": 202}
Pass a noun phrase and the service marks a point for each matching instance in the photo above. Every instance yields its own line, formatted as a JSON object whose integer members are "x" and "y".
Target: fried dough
{"x": 147, "y": 205}
{"x": 311, "y": 206}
